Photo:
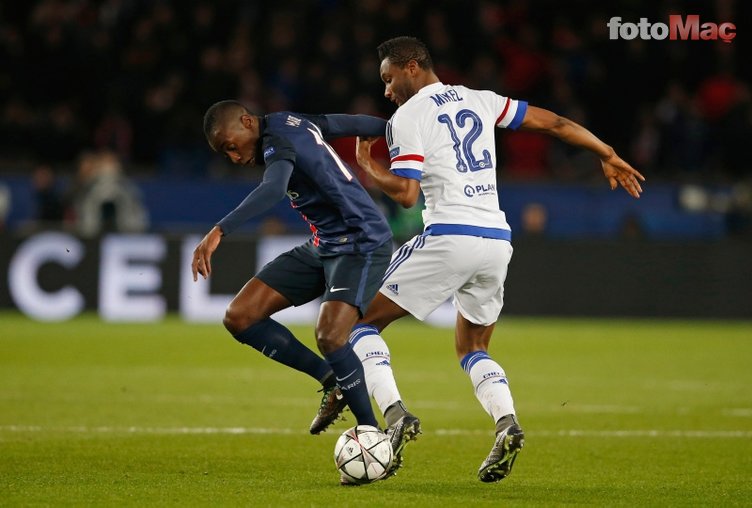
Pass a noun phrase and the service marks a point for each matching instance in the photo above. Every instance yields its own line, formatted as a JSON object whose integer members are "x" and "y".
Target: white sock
{"x": 490, "y": 383}
{"x": 374, "y": 354}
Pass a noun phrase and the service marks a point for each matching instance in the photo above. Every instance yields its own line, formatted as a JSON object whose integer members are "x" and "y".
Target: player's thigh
{"x": 426, "y": 271}
{"x": 481, "y": 298}
{"x": 297, "y": 274}
{"x": 254, "y": 302}
{"x": 355, "y": 278}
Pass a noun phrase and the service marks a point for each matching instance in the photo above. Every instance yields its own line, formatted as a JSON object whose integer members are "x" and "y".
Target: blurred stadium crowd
{"x": 133, "y": 77}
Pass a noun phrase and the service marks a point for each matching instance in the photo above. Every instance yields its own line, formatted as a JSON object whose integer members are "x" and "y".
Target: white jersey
{"x": 444, "y": 137}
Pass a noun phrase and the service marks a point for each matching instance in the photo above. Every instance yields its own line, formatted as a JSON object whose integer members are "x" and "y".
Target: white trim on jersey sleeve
{"x": 405, "y": 148}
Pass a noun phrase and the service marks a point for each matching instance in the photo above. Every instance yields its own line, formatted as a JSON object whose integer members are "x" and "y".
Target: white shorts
{"x": 427, "y": 270}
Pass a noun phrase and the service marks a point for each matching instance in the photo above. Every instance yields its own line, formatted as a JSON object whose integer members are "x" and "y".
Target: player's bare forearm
{"x": 616, "y": 170}
{"x": 397, "y": 188}
{"x": 548, "y": 122}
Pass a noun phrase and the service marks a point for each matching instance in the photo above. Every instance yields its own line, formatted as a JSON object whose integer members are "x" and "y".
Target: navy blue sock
{"x": 352, "y": 381}
{"x": 278, "y": 343}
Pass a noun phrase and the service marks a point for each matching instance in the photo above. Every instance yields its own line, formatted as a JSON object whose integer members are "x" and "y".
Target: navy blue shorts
{"x": 302, "y": 275}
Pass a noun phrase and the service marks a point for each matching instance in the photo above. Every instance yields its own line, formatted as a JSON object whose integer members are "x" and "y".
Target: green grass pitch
{"x": 616, "y": 412}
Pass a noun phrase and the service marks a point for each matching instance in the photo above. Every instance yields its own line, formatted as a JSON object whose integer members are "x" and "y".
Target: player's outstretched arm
{"x": 339, "y": 125}
{"x": 616, "y": 170}
{"x": 404, "y": 191}
{"x": 270, "y": 191}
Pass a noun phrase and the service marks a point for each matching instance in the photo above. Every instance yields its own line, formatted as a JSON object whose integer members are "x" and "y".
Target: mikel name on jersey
{"x": 450, "y": 95}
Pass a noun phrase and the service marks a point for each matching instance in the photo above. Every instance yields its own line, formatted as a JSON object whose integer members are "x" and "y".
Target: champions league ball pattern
{"x": 363, "y": 454}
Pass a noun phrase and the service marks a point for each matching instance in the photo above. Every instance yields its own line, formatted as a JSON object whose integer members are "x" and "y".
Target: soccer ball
{"x": 363, "y": 454}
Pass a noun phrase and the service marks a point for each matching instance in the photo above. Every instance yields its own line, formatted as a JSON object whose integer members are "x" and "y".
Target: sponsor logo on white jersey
{"x": 480, "y": 190}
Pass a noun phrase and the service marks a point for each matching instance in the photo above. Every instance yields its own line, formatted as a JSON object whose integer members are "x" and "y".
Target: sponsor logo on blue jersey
{"x": 268, "y": 152}
{"x": 293, "y": 121}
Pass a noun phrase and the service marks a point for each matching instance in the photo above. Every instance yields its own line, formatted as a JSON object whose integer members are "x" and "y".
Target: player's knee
{"x": 236, "y": 320}
{"x": 233, "y": 322}
{"x": 329, "y": 339}
{"x": 334, "y": 324}
{"x": 325, "y": 342}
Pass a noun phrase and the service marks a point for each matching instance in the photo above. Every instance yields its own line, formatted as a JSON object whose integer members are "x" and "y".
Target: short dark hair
{"x": 400, "y": 50}
{"x": 219, "y": 112}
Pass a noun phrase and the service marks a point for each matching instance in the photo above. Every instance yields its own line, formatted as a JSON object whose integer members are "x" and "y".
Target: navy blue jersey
{"x": 342, "y": 216}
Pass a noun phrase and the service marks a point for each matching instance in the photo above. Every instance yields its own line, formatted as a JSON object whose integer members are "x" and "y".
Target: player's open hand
{"x": 619, "y": 172}
{"x": 363, "y": 151}
{"x": 203, "y": 253}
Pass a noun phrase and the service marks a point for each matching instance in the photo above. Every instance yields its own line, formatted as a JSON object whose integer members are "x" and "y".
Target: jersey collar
{"x": 430, "y": 89}
{"x": 426, "y": 90}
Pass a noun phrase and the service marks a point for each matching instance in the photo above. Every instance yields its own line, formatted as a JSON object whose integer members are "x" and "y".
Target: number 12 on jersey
{"x": 463, "y": 148}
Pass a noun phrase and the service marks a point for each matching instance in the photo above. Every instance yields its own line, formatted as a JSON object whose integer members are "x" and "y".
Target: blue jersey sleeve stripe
{"x": 413, "y": 174}
{"x": 519, "y": 115}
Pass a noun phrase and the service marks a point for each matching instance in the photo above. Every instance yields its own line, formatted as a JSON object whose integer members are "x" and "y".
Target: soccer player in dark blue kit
{"x": 343, "y": 261}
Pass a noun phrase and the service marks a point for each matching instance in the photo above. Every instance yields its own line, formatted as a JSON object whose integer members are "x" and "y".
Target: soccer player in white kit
{"x": 441, "y": 142}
